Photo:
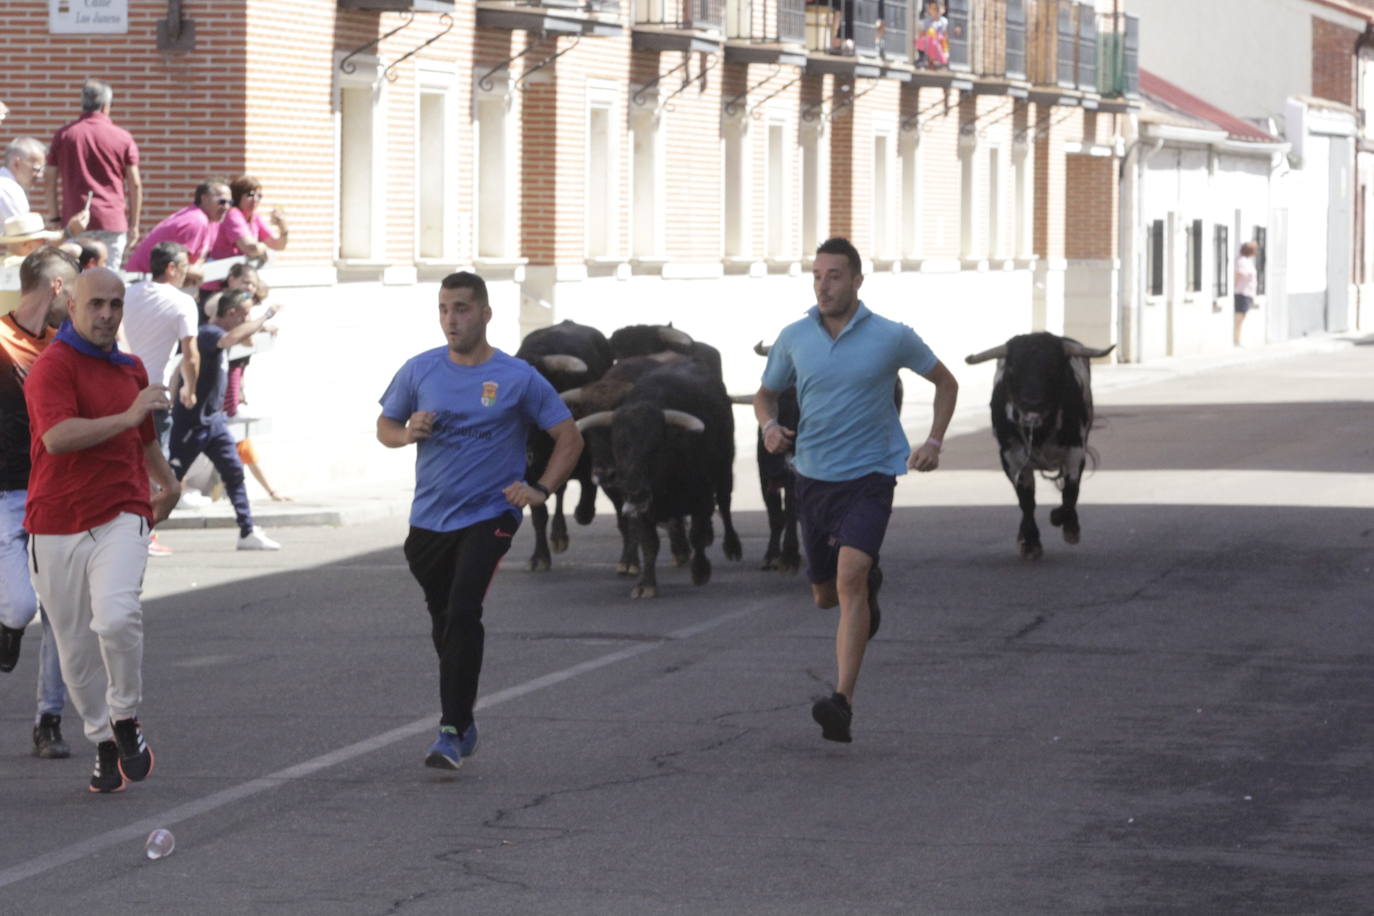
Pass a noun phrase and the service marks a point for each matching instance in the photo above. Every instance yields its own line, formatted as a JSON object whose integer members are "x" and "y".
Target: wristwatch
{"x": 540, "y": 487}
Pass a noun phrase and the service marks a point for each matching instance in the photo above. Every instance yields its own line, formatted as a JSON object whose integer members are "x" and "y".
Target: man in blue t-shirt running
{"x": 850, "y": 449}
{"x": 468, "y": 407}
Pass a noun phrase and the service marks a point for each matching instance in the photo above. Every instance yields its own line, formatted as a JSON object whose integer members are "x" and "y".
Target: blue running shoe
{"x": 451, "y": 747}
{"x": 446, "y": 752}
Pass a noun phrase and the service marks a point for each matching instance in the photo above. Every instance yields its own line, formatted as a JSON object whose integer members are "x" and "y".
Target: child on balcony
{"x": 932, "y": 43}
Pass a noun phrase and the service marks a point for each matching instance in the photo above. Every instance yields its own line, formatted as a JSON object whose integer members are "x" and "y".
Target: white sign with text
{"x": 74, "y": 17}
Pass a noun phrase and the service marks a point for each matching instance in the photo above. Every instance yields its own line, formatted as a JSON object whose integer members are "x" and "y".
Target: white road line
{"x": 140, "y": 829}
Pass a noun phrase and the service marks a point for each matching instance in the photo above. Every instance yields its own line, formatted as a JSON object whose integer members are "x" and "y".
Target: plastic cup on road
{"x": 160, "y": 844}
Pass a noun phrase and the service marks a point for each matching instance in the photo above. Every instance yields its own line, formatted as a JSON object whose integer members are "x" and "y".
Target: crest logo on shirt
{"x": 489, "y": 393}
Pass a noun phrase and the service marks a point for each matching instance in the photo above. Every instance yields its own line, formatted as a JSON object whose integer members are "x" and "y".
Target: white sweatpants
{"x": 90, "y": 585}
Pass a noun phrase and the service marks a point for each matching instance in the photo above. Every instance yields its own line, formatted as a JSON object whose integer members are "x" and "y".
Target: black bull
{"x": 1042, "y": 412}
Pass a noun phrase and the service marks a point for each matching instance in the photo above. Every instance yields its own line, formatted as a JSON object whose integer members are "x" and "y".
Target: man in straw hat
{"x": 23, "y": 235}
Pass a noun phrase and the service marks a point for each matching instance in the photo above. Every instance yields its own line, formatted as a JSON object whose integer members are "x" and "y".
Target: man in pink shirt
{"x": 93, "y": 156}
{"x": 196, "y": 227}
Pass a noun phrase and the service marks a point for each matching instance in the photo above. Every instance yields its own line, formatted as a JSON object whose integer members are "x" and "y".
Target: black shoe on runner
{"x": 47, "y": 738}
{"x": 833, "y": 714}
{"x": 107, "y": 777}
{"x": 875, "y": 616}
{"x": 9, "y": 646}
{"x": 135, "y": 757}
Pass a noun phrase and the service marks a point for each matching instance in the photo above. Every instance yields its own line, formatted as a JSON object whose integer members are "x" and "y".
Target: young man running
{"x": 467, "y": 407}
{"x": 850, "y": 448}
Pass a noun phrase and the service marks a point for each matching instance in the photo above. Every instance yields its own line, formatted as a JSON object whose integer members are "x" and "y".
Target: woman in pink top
{"x": 1247, "y": 284}
{"x": 244, "y": 230}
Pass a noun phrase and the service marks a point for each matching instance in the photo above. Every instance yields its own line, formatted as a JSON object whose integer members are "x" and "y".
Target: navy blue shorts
{"x": 1243, "y": 304}
{"x": 842, "y": 513}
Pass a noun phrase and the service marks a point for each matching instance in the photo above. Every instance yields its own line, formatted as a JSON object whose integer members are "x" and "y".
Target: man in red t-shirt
{"x": 92, "y": 155}
{"x": 89, "y": 516}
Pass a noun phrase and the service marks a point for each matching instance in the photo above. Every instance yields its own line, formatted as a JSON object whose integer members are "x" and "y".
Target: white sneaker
{"x": 191, "y": 498}
{"x": 257, "y": 539}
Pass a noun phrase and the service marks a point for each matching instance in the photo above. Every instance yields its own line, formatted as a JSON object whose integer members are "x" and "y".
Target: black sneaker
{"x": 9, "y": 646}
{"x": 107, "y": 777}
{"x": 135, "y": 757}
{"x": 875, "y": 616}
{"x": 47, "y": 738}
{"x": 834, "y": 714}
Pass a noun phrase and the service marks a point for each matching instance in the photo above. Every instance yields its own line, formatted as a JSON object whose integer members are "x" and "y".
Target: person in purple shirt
{"x": 195, "y": 227}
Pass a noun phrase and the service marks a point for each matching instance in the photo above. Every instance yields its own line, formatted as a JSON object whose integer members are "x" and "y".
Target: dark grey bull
{"x": 570, "y": 356}
{"x": 669, "y": 454}
{"x": 1042, "y": 412}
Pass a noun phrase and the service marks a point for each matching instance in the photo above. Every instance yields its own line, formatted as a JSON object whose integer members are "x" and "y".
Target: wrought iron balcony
{"x": 766, "y": 21}
{"x": 687, "y": 15}
{"x": 399, "y": 6}
{"x": 585, "y": 6}
{"x": 896, "y": 30}
{"x": 847, "y": 27}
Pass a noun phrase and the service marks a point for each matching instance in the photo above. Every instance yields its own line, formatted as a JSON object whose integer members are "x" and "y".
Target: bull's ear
{"x": 762, "y": 349}
{"x": 998, "y": 352}
{"x": 562, "y": 362}
{"x": 683, "y": 420}
{"x": 596, "y": 421}
{"x": 1074, "y": 348}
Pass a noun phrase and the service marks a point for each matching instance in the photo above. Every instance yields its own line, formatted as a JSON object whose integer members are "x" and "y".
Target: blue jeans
{"x": 190, "y": 440}
{"x": 18, "y": 603}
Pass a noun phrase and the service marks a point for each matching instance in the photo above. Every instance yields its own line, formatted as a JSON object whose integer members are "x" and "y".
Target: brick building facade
{"x": 615, "y": 161}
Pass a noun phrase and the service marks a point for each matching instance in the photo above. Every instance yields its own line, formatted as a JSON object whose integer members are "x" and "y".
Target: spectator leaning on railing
{"x": 195, "y": 227}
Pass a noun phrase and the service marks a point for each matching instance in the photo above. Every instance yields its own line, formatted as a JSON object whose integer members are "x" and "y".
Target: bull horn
{"x": 1074, "y": 348}
{"x": 561, "y": 362}
{"x": 762, "y": 348}
{"x": 595, "y": 421}
{"x": 997, "y": 352}
{"x": 683, "y": 420}
{"x": 672, "y": 337}
{"x": 571, "y": 396}
{"x": 741, "y": 399}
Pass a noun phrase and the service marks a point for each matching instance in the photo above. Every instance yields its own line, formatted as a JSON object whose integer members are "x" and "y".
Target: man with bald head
{"x": 90, "y": 513}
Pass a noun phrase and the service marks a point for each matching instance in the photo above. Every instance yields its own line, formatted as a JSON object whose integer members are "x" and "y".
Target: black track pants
{"x": 454, "y": 568}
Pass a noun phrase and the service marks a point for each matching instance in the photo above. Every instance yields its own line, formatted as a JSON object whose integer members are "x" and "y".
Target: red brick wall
{"x": 1333, "y": 61}
{"x": 1090, "y": 224}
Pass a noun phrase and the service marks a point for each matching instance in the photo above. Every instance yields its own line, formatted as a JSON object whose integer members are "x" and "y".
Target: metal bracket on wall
{"x": 531, "y": 71}
{"x": 844, "y": 105}
{"x": 913, "y": 122}
{"x": 485, "y": 81}
{"x": 709, "y": 64}
{"x": 812, "y": 112}
{"x": 641, "y": 96}
{"x": 347, "y": 65}
{"x": 392, "y": 74}
{"x": 733, "y": 106}
{"x": 176, "y": 33}
{"x": 1038, "y": 129}
{"x": 756, "y": 112}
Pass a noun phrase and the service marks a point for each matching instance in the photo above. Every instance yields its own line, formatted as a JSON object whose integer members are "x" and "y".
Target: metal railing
{"x": 896, "y": 40}
{"x": 699, "y": 15}
{"x": 847, "y": 27}
{"x": 588, "y": 6}
{"x": 766, "y": 21}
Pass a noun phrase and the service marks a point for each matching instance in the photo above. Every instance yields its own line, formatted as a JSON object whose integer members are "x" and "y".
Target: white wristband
{"x": 935, "y": 442}
{"x": 769, "y": 425}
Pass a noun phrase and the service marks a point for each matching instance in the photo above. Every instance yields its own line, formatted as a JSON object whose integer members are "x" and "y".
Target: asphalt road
{"x": 1175, "y": 716}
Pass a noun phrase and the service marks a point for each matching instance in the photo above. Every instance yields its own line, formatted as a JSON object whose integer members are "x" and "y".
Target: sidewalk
{"x": 360, "y": 504}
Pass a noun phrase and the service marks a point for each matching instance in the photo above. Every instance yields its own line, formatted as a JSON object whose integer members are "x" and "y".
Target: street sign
{"x": 76, "y": 17}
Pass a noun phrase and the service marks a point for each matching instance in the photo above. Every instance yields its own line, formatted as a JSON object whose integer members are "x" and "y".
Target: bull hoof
{"x": 732, "y": 548}
{"x": 559, "y": 544}
{"x": 701, "y": 570}
{"x": 1071, "y": 534}
{"x": 539, "y": 564}
{"x": 770, "y": 562}
{"x": 627, "y": 569}
{"x": 789, "y": 565}
{"x": 644, "y": 591}
{"x": 680, "y": 560}
{"x": 584, "y": 517}
{"x": 1030, "y": 551}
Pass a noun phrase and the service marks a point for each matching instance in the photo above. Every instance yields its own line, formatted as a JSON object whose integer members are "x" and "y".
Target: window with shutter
{"x": 1016, "y": 39}
{"x": 957, "y": 13}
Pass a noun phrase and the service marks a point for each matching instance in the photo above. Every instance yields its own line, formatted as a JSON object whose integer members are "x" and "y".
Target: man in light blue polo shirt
{"x": 467, "y": 408}
{"x": 850, "y": 448}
